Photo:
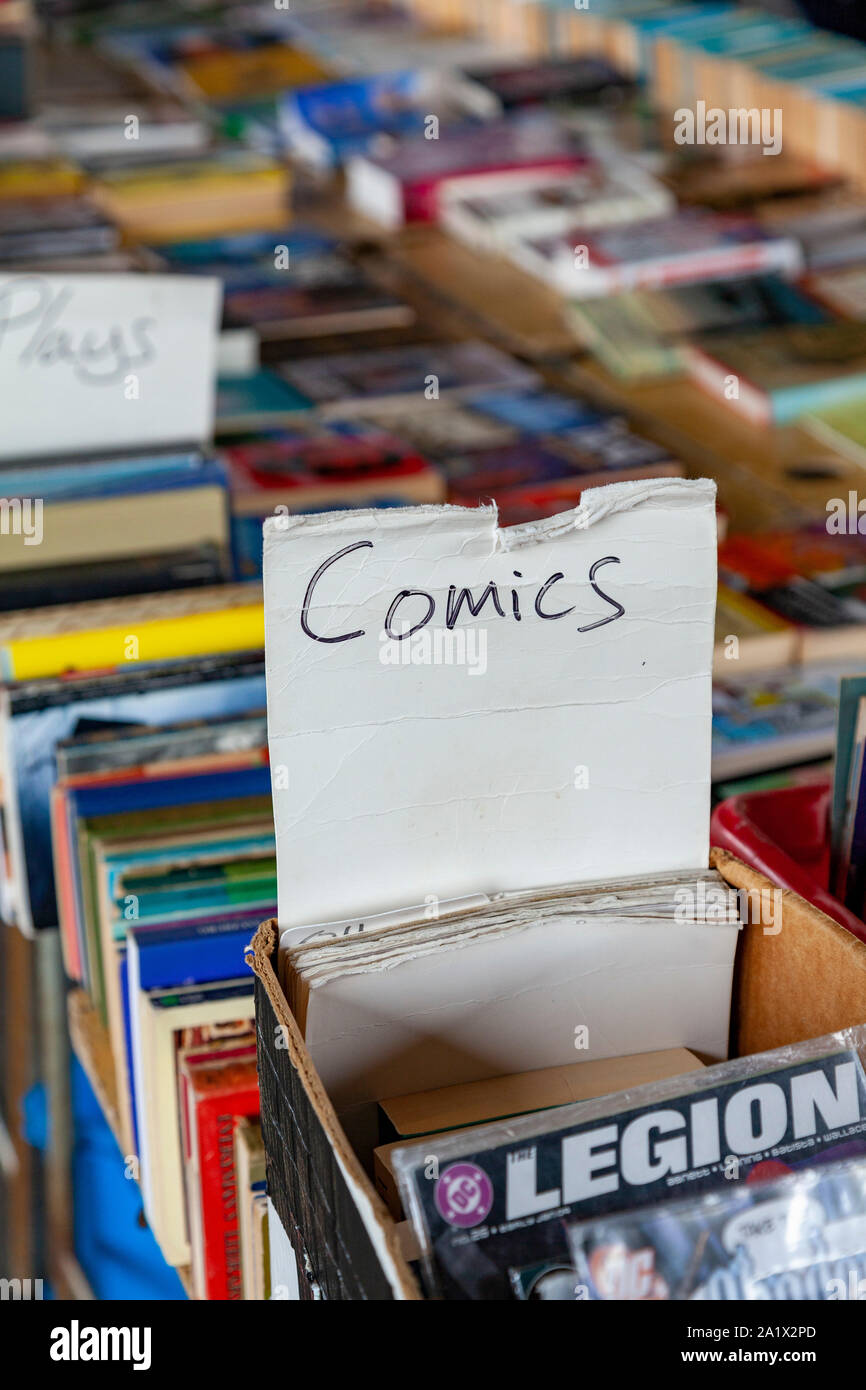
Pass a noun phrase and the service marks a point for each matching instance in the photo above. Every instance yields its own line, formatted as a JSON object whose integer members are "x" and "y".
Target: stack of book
{"x": 47, "y": 220}
{"x": 489, "y": 424}
{"x": 133, "y": 727}
{"x": 245, "y": 256}
{"x": 89, "y": 528}
{"x": 231, "y": 65}
{"x": 163, "y": 848}
{"x": 221, "y": 190}
{"x": 718, "y": 53}
{"x": 290, "y": 285}
{"x": 95, "y": 108}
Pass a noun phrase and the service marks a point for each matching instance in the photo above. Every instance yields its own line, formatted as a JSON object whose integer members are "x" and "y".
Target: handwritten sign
{"x": 105, "y": 361}
{"x": 456, "y": 709}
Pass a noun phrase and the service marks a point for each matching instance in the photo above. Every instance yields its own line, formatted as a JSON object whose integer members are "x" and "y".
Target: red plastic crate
{"x": 784, "y": 834}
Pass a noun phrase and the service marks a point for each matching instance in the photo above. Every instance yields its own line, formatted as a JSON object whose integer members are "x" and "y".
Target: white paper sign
{"x": 105, "y": 361}
{"x": 455, "y": 708}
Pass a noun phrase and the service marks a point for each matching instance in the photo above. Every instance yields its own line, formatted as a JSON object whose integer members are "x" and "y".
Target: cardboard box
{"x": 499, "y": 1097}
{"x": 805, "y": 980}
{"x": 472, "y": 1105}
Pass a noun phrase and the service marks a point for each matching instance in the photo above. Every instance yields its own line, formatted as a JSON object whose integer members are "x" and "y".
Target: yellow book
{"x": 156, "y": 228}
{"x": 254, "y": 73}
{"x": 193, "y": 177}
{"x": 161, "y": 639}
{"x": 39, "y": 178}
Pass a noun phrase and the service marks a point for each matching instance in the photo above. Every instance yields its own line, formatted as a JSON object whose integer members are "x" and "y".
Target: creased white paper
{"x": 488, "y": 752}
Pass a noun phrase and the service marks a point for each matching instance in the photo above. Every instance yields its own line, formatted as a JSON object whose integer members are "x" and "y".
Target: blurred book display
{"x": 500, "y": 371}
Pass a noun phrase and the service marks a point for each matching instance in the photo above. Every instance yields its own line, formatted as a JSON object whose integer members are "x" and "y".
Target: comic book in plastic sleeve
{"x": 490, "y": 1205}
{"x": 801, "y": 1237}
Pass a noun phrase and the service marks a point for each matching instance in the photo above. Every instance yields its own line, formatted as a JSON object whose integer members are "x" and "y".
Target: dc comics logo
{"x": 463, "y": 1195}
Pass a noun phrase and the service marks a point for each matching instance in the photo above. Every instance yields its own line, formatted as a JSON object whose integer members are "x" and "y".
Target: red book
{"x": 404, "y": 185}
{"x": 324, "y": 470}
{"x": 215, "y": 1096}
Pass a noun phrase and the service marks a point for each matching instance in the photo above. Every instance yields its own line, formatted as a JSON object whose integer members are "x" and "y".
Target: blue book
{"x": 83, "y": 803}
{"x": 261, "y": 397}
{"x": 259, "y": 260}
{"x": 69, "y": 474}
{"x": 328, "y": 123}
{"x": 165, "y": 957}
{"x": 242, "y": 248}
{"x": 536, "y": 412}
{"x": 740, "y": 40}
{"x": 156, "y": 792}
{"x": 811, "y": 67}
{"x": 676, "y": 19}
{"x": 54, "y": 486}
{"x": 674, "y": 23}
{"x": 842, "y": 86}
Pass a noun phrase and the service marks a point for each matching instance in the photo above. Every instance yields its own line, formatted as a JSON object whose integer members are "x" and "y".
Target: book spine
{"x": 163, "y": 639}
{"x": 216, "y": 1119}
{"x": 199, "y": 957}
{"x": 53, "y": 584}
{"x": 62, "y": 871}
{"x": 713, "y": 377}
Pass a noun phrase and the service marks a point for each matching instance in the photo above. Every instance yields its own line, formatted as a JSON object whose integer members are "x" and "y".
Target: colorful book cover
{"x": 241, "y": 248}
{"x": 501, "y": 1200}
{"x": 43, "y": 712}
{"x": 404, "y": 185}
{"x": 216, "y": 1096}
{"x": 536, "y": 412}
{"x": 198, "y": 952}
{"x": 800, "y": 1237}
{"x": 225, "y": 75}
{"x": 261, "y": 396}
{"x": 774, "y": 720}
{"x": 329, "y": 122}
{"x": 640, "y": 333}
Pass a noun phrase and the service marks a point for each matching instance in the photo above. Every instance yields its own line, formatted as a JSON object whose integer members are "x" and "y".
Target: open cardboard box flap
{"x": 802, "y": 980}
